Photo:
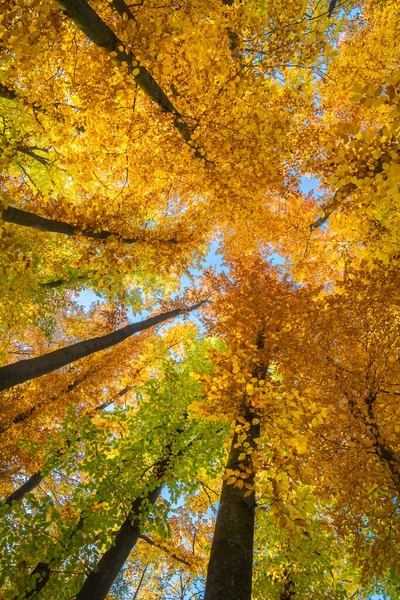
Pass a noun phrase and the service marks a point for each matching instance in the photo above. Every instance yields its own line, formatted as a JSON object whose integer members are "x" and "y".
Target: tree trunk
{"x": 384, "y": 452}
{"x": 28, "y": 219}
{"x": 229, "y": 575}
{"x": 25, "y": 370}
{"x": 56, "y": 283}
{"x": 42, "y": 572}
{"x": 98, "y": 583}
{"x": 88, "y": 21}
{"x": 100, "y": 580}
{"x": 23, "y": 416}
{"x": 25, "y": 488}
{"x": 5, "y": 92}
{"x": 387, "y": 457}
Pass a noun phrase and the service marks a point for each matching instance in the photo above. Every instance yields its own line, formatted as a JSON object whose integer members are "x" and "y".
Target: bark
{"x": 7, "y": 93}
{"x": 25, "y": 370}
{"x": 55, "y": 283}
{"x": 27, "y": 219}
{"x": 233, "y": 36}
{"x": 135, "y": 595}
{"x": 42, "y": 572}
{"x": 230, "y": 567}
{"x": 384, "y": 452}
{"x": 338, "y": 197}
{"x": 100, "y": 580}
{"x": 149, "y": 541}
{"x": 121, "y": 8}
{"x": 288, "y": 592}
{"x": 89, "y": 22}
{"x": 21, "y": 417}
{"x": 332, "y": 6}
{"x": 11, "y": 94}
{"x": 30, "y": 152}
{"x": 25, "y": 488}
{"x": 342, "y": 193}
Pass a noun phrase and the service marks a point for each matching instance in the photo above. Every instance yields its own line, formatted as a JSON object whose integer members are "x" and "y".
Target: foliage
{"x": 133, "y": 137}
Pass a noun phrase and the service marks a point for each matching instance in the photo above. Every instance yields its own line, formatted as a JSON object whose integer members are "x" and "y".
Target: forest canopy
{"x": 200, "y": 306}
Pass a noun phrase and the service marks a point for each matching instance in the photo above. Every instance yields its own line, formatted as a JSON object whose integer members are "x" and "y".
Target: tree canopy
{"x": 222, "y": 421}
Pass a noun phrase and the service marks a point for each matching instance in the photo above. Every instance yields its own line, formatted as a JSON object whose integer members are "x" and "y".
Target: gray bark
{"x": 229, "y": 574}
{"x": 89, "y": 22}
{"x": 25, "y": 370}
{"x": 98, "y": 583}
{"x": 28, "y": 219}
{"x": 100, "y": 580}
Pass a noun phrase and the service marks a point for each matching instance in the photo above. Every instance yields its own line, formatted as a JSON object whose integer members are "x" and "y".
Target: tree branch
{"x": 27, "y": 219}
{"x": 159, "y": 546}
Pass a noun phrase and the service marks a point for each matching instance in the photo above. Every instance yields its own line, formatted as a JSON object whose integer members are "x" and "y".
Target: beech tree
{"x": 252, "y": 451}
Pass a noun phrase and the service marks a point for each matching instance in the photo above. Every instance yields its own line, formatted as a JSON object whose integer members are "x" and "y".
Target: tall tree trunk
{"x": 229, "y": 574}
{"x": 386, "y": 455}
{"x": 25, "y": 370}
{"x": 23, "y": 416}
{"x": 29, "y": 485}
{"x": 88, "y": 21}
{"x": 56, "y": 283}
{"x": 384, "y": 452}
{"x": 100, "y": 580}
{"x": 28, "y": 219}
{"x": 135, "y": 595}
{"x": 40, "y": 576}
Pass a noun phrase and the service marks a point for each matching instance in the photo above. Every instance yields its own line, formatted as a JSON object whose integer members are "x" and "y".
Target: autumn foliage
{"x": 221, "y": 177}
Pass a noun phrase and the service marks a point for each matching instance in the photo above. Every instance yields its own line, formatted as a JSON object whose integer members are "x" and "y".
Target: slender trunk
{"x": 11, "y": 94}
{"x": 28, "y": 219}
{"x": 99, "y": 582}
{"x": 384, "y": 452}
{"x": 25, "y": 370}
{"x": 230, "y": 567}
{"x": 288, "y": 592}
{"x": 89, "y": 22}
{"x": 7, "y": 93}
{"x": 343, "y": 192}
{"x": 36, "y": 479}
{"x": 121, "y": 8}
{"x": 135, "y": 595}
{"x": 29, "y": 485}
{"x": 41, "y": 574}
{"x": 29, "y": 152}
{"x": 146, "y": 539}
{"x": 23, "y": 416}
{"x": 55, "y": 283}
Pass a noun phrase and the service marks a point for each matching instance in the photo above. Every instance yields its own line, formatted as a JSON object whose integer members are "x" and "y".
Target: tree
{"x": 133, "y": 136}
